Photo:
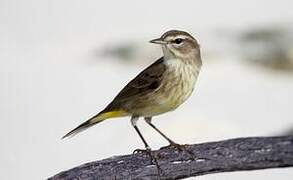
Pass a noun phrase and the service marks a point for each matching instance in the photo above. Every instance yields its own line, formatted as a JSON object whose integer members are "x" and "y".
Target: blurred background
{"x": 62, "y": 61}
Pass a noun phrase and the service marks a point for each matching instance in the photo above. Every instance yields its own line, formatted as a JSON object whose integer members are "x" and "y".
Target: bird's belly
{"x": 171, "y": 94}
{"x": 175, "y": 97}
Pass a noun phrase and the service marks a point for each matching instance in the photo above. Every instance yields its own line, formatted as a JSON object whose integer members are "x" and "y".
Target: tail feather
{"x": 94, "y": 120}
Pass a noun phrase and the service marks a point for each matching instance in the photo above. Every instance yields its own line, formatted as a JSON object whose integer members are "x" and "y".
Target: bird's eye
{"x": 178, "y": 41}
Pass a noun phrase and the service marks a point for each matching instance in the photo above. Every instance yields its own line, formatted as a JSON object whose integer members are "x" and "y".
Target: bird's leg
{"x": 147, "y": 147}
{"x": 172, "y": 143}
{"x": 134, "y": 120}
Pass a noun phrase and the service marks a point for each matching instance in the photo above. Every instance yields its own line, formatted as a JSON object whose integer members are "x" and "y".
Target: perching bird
{"x": 160, "y": 88}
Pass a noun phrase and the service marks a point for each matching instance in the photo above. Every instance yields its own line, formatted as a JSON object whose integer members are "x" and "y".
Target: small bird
{"x": 160, "y": 88}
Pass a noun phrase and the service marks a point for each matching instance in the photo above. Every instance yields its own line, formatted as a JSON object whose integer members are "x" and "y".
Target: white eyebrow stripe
{"x": 181, "y": 36}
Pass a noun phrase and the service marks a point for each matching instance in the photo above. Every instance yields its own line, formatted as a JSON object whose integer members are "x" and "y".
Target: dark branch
{"x": 223, "y": 156}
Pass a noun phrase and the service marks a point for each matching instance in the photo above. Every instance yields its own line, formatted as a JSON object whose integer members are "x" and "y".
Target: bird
{"x": 160, "y": 88}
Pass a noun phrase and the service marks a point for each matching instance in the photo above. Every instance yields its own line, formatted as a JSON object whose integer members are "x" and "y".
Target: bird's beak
{"x": 158, "y": 41}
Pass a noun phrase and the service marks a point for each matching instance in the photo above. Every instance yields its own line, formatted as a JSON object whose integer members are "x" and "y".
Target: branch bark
{"x": 214, "y": 157}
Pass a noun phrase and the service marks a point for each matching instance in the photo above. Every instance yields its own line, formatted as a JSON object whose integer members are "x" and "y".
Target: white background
{"x": 51, "y": 81}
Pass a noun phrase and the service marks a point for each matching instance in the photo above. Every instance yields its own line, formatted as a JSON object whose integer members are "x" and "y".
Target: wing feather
{"x": 145, "y": 82}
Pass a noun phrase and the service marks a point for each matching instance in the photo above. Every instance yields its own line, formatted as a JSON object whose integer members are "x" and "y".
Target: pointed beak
{"x": 158, "y": 41}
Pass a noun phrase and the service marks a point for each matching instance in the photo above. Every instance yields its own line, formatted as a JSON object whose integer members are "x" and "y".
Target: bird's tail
{"x": 95, "y": 120}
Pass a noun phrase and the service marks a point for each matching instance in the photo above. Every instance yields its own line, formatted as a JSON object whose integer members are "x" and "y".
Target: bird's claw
{"x": 180, "y": 147}
{"x": 149, "y": 152}
{"x": 140, "y": 151}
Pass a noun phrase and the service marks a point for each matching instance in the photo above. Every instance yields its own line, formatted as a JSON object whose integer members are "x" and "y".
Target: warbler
{"x": 160, "y": 88}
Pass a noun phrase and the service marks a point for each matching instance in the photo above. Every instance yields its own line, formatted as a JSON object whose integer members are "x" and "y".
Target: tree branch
{"x": 214, "y": 157}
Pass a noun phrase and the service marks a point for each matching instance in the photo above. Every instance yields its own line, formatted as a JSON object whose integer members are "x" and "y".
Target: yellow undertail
{"x": 95, "y": 120}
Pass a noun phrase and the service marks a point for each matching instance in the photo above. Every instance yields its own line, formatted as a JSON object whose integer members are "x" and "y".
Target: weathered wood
{"x": 214, "y": 157}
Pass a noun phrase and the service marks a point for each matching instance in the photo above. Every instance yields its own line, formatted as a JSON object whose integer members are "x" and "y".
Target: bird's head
{"x": 178, "y": 44}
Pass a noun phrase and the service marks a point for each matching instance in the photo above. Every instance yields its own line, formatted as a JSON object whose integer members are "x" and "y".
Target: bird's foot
{"x": 149, "y": 152}
{"x": 141, "y": 151}
{"x": 180, "y": 147}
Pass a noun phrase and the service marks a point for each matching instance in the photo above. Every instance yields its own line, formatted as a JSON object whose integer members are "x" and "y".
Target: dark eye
{"x": 178, "y": 40}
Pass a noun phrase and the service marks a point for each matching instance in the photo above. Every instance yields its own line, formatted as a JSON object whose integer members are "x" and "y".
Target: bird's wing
{"x": 147, "y": 81}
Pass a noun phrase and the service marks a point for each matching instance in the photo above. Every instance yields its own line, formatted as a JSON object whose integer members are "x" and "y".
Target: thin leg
{"x": 148, "y": 150}
{"x": 133, "y": 122}
{"x": 149, "y": 121}
{"x": 172, "y": 143}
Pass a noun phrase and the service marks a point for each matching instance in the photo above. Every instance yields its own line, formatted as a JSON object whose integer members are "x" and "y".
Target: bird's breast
{"x": 177, "y": 85}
